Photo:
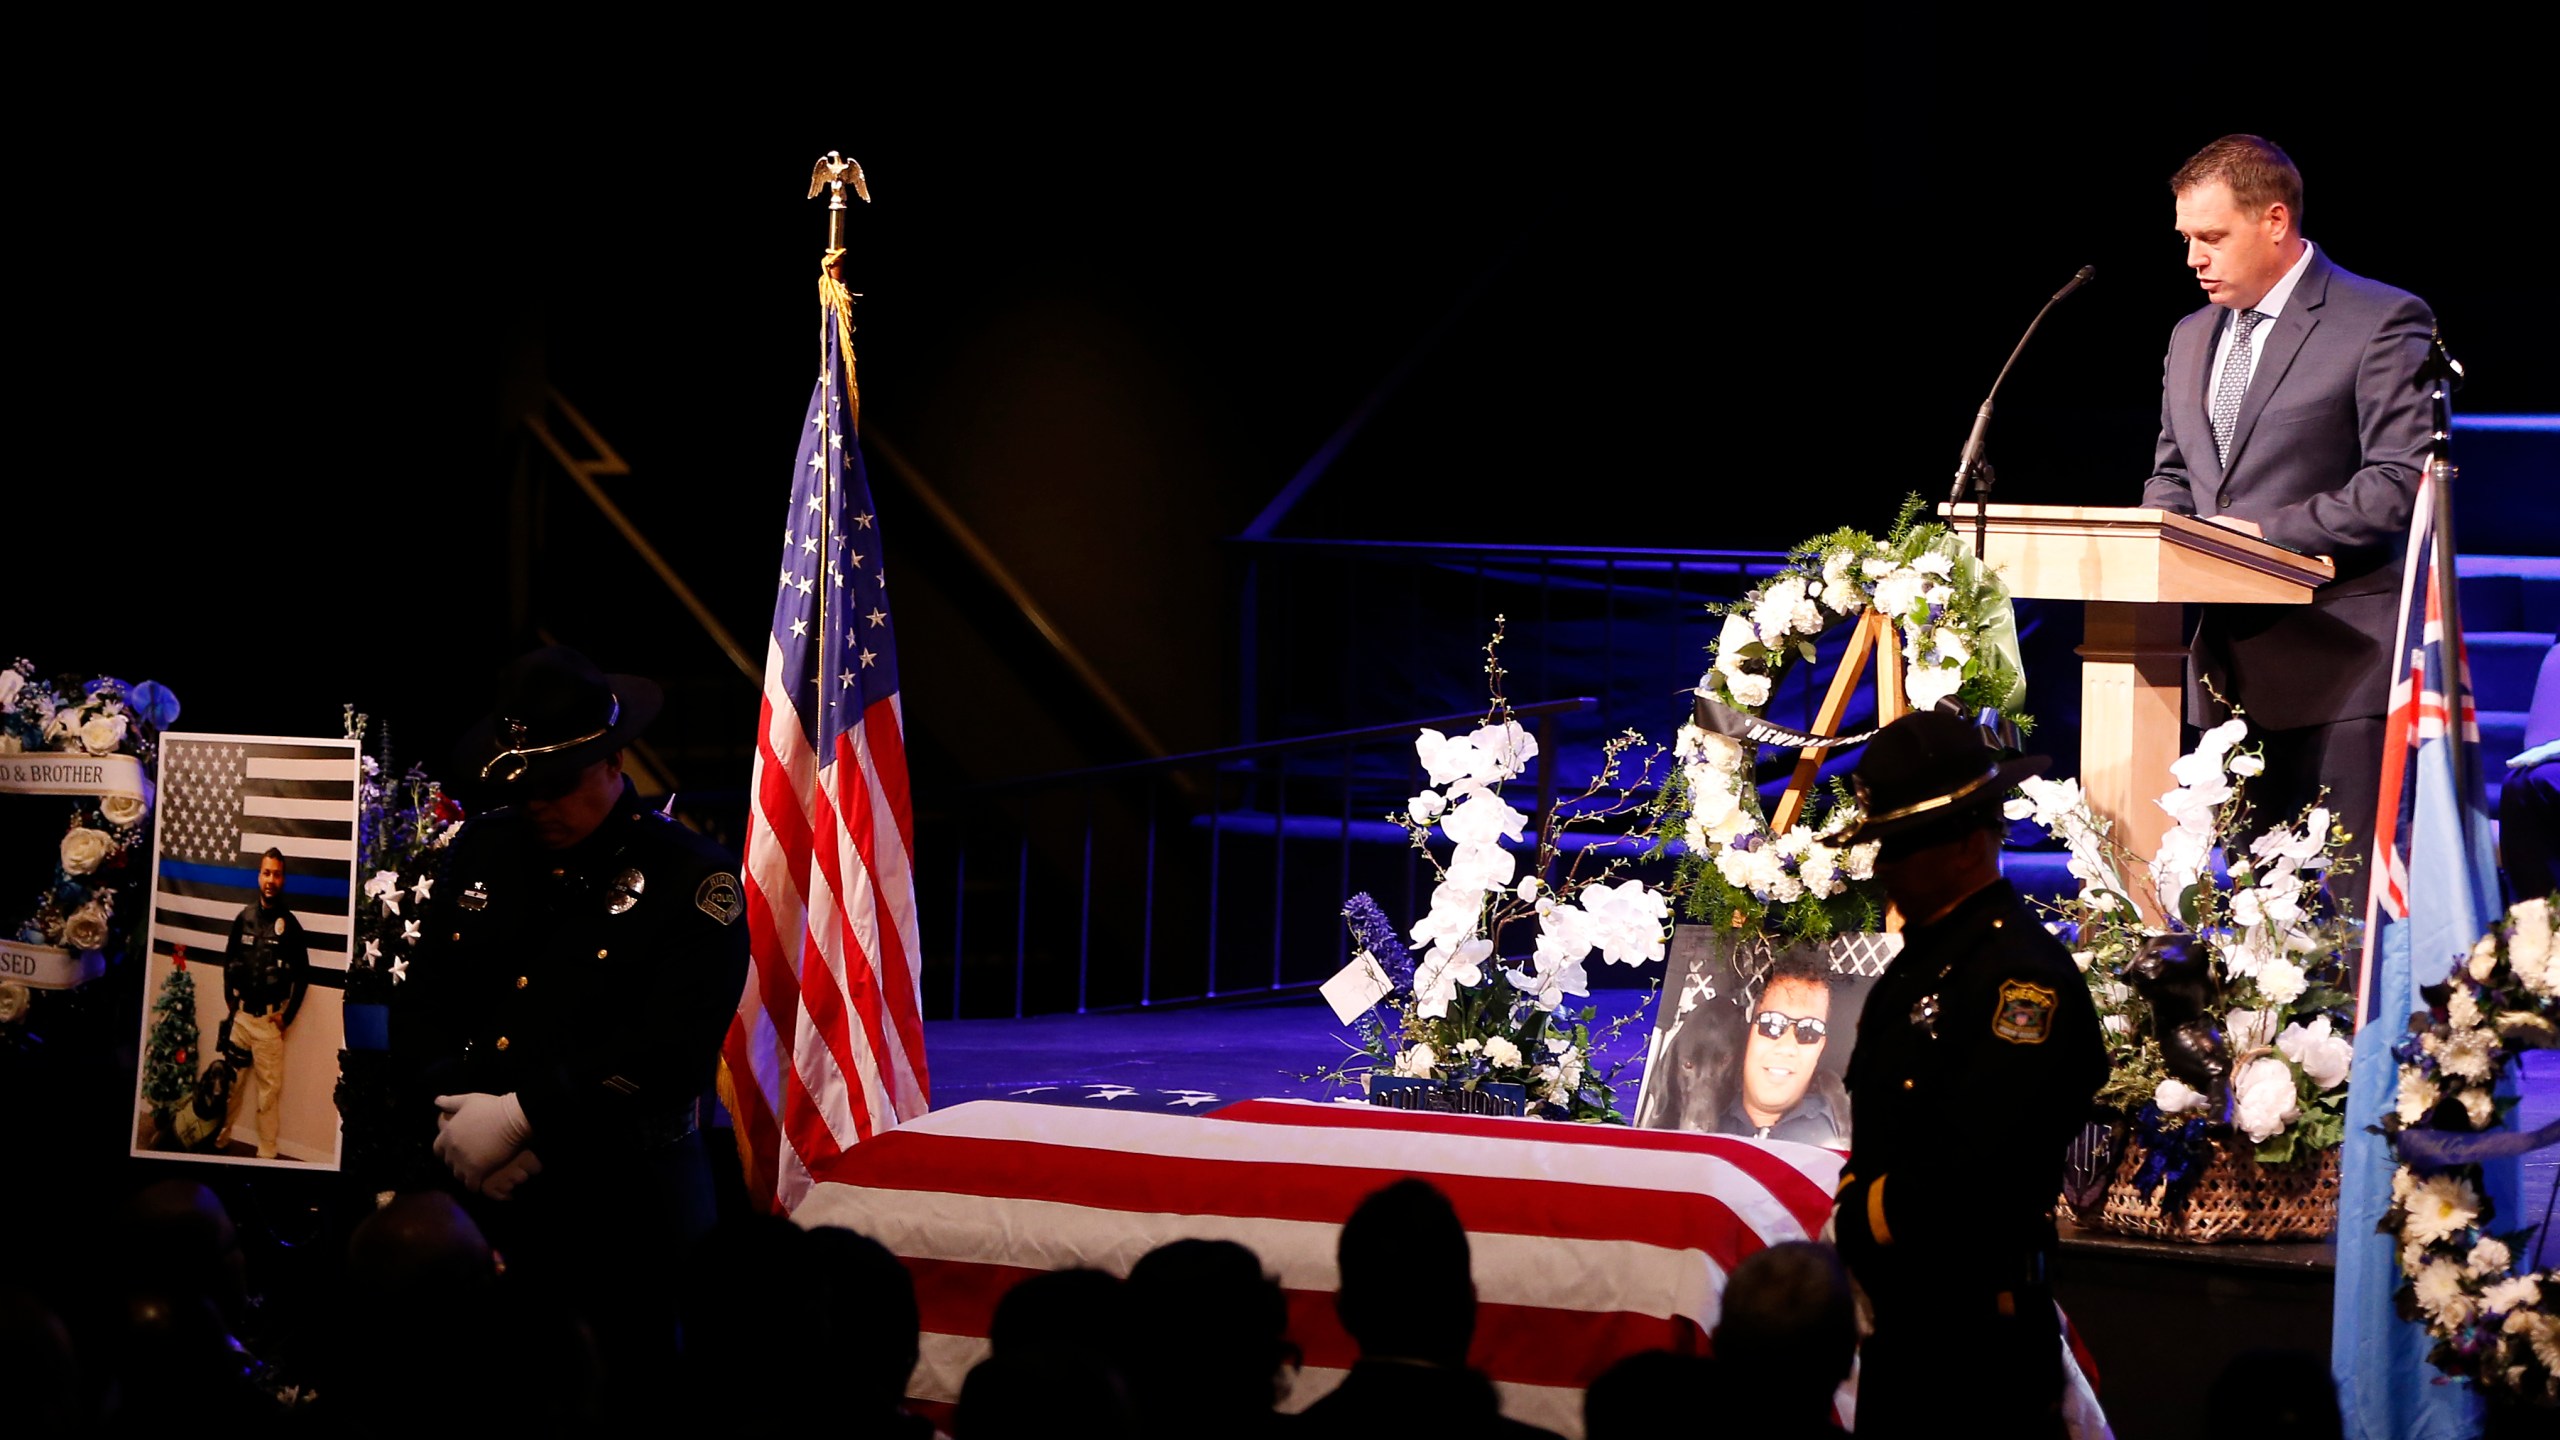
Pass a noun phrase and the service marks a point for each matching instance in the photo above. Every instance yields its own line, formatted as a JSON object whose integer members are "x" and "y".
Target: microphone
{"x": 1972, "y": 455}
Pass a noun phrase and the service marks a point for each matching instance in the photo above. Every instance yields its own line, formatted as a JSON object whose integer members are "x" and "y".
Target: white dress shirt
{"x": 2271, "y": 307}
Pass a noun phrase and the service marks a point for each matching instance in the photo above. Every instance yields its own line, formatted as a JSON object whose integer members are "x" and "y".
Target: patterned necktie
{"x": 2235, "y": 382}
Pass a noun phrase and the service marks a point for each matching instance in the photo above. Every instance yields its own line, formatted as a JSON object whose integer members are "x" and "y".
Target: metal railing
{"x": 1135, "y": 887}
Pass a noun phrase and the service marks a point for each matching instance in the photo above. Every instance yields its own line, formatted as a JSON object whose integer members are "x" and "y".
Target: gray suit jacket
{"x": 2325, "y": 457}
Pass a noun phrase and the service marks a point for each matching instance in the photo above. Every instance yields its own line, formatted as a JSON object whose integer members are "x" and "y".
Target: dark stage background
{"x": 1719, "y": 285}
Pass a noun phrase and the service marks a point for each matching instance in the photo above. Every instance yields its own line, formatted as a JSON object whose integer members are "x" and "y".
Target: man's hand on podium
{"x": 2245, "y": 527}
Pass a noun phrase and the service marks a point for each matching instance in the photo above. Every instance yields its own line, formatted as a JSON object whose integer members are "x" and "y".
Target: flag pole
{"x": 2444, "y": 376}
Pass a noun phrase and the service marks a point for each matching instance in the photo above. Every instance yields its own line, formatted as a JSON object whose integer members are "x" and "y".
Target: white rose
{"x": 1735, "y": 634}
{"x": 101, "y": 734}
{"x": 2176, "y": 1097}
{"x": 2322, "y": 1054}
{"x": 123, "y": 809}
{"x": 84, "y": 850}
{"x": 1417, "y": 1061}
{"x": 1501, "y": 1052}
{"x": 10, "y": 683}
{"x": 2266, "y": 1094}
{"x": 85, "y": 928}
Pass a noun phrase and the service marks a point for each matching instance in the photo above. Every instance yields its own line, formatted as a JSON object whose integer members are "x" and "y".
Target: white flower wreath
{"x": 2491, "y": 1314}
{"x": 1959, "y": 641}
{"x": 105, "y": 834}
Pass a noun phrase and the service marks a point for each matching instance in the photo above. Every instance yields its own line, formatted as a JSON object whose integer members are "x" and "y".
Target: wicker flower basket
{"x": 2236, "y": 1199}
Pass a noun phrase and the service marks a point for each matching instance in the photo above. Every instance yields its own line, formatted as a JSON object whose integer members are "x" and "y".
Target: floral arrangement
{"x": 2490, "y": 1310}
{"x": 2230, "y": 1015}
{"x": 403, "y": 824}
{"x": 1462, "y": 1014}
{"x": 106, "y": 839}
{"x": 1959, "y": 645}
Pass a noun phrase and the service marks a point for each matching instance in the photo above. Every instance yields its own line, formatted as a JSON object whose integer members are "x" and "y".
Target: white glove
{"x": 478, "y": 1133}
{"x": 515, "y": 1172}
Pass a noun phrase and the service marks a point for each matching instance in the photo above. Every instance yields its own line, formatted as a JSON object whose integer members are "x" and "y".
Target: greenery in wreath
{"x": 2229, "y": 1015}
{"x": 105, "y": 848}
{"x": 1466, "y": 1013}
{"x": 2485, "y": 1298}
{"x": 1958, "y": 636}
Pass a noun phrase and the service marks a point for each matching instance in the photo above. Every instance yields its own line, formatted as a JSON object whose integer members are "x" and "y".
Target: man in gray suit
{"x": 2292, "y": 407}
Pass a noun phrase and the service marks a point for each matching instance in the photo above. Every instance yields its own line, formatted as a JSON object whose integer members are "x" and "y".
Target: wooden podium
{"x": 2134, "y": 569}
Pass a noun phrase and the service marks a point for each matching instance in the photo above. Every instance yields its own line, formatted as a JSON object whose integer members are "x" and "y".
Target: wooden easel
{"x": 1874, "y": 635}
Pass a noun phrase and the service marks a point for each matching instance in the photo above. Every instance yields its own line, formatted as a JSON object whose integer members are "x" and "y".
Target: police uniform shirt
{"x": 266, "y": 964}
{"x": 595, "y": 983}
{"x": 1977, "y": 1059}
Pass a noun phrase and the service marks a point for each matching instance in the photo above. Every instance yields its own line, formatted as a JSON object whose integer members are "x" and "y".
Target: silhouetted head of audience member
{"x": 1044, "y": 1395}
{"x": 433, "y": 1336}
{"x": 2273, "y": 1395}
{"x": 422, "y": 1249}
{"x": 1652, "y": 1395}
{"x": 1208, "y": 1339}
{"x": 177, "y": 1241}
{"x": 1408, "y": 1291}
{"x": 44, "y": 1391}
{"x": 868, "y": 1304}
{"x": 1078, "y": 1313}
{"x": 765, "y": 1297}
{"x": 1788, "y": 1333}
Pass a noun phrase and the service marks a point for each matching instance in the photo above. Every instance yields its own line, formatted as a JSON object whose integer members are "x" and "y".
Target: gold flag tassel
{"x": 832, "y": 174}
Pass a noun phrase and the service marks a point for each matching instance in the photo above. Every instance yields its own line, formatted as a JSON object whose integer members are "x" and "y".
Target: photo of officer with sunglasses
{"x": 1783, "y": 1091}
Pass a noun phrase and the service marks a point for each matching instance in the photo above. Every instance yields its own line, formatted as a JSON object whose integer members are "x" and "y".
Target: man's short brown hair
{"x": 2258, "y": 173}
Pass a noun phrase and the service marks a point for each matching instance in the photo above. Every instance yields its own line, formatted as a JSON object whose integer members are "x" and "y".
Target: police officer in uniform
{"x": 1976, "y": 1062}
{"x": 564, "y": 1011}
{"x": 266, "y": 969}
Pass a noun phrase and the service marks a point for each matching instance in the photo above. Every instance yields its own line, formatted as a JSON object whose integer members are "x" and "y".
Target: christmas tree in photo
{"x": 169, "y": 1058}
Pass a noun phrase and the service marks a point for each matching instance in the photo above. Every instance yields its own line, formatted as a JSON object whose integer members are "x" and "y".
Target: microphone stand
{"x": 1971, "y": 471}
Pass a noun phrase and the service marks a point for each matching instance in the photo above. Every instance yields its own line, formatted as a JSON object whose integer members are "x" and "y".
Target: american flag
{"x": 827, "y": 1049}
{"x": 225, "y": 800}
{"x": 1589, "y": 1243}
{"x": 2434, "y": 891}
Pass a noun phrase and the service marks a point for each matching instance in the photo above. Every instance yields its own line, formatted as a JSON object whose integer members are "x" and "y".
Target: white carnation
{"x": 1501, "y": 1052}
{"x": 2281, "y": 981}
{"x": 1749, "y": 691}
{"x": 2489, "y": 1256}
{"x": 2516, "y": 1292}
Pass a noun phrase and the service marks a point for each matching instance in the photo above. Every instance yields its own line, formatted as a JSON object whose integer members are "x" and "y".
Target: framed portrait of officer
{"x": 252, "y": 928}
{"x": 1751, "y": 1039}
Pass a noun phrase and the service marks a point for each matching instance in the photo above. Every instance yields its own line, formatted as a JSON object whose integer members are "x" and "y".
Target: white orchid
{"x": 1444, "y": 970}
{"x": 1446, "y": 760}
{"x": 1508, "y": 749}
{"x": 1627, "y": 921}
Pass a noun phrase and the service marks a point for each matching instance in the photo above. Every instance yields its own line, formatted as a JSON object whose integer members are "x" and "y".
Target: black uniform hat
{"x": 557, "y": 713}
{"x": 1926, "y": 767}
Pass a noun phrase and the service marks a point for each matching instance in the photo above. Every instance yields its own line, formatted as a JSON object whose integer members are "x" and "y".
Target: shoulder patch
{"x": 2024, "y": 1015}
{"x": 718, "y": 898}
